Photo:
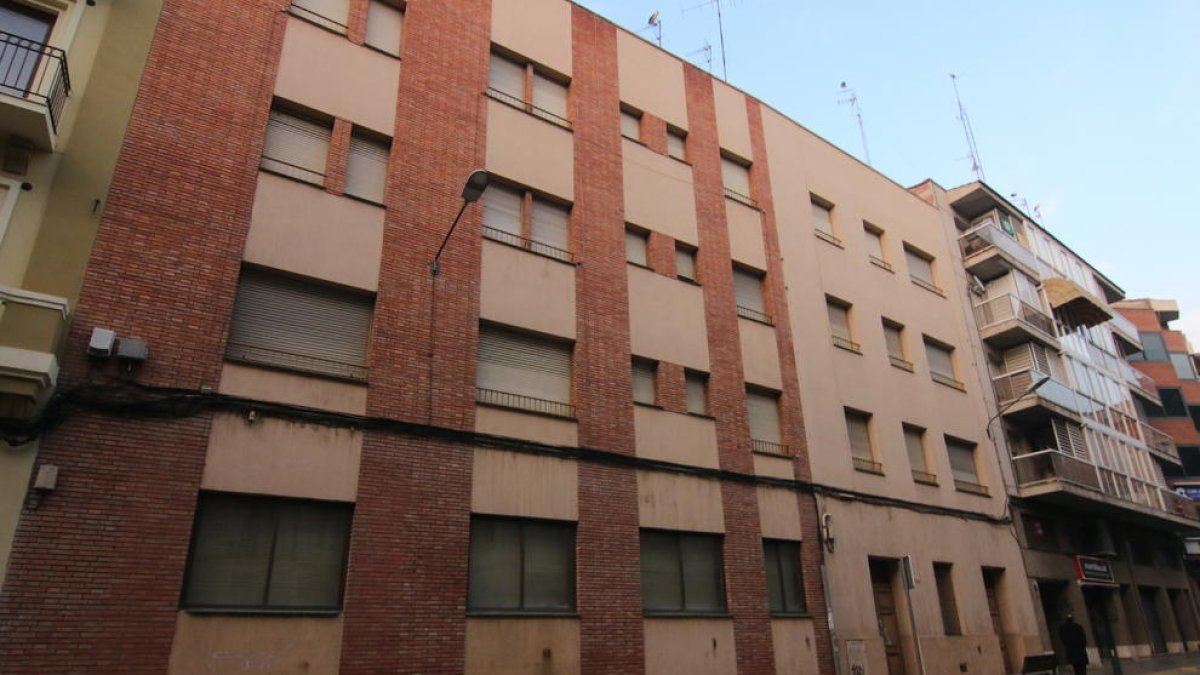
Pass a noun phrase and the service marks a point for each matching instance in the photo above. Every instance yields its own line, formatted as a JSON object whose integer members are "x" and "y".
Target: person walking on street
{"x": 1074, "y": 642}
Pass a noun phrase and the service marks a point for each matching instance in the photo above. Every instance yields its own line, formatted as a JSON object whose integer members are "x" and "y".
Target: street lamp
{"x": 476, "y": 183}
{"x": 1032, "y": 388}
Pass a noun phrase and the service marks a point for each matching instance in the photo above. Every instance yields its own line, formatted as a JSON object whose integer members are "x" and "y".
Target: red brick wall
{"x": 609, "y": 567}
{"x": 95, "y": 573}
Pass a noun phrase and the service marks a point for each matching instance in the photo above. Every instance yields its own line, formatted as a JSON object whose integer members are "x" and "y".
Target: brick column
{"x": 93, "y": 584}
{"x": 339, "y": 156}
{"x": 407, "y": 581}
{"x": 660, "y": 254}
{"x": 744, "y": 567}
{"x": 654, "y": 133}
{"x": 609, "y": 567}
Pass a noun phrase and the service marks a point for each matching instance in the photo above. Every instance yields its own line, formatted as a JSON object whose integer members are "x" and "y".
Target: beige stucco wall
{"x": 675, "y": 437}
{"x": 537, "y": 29}
{"x": 690, "y": 647}
{"x": 529, "y": 486}
{"x": 530, "y": 150}
{"x": 779, "y": 513}
{"x": 666, "y": 319}
{"x": 234, "y": 644}
{"x": 659, "y": 194}
{"x": 517, "y": 288}
{"x": 302, "y": 229}
{"x": 760, "y": 354}
{"x": 294, "y": 388}
{"x": 515, "y": 424}
{"x": 327, "y": 72}
{"x": 677, "y": 502}
{"x": 795, "y": 646}
{"x": 733, "y": 127}
{"x": 651, "y": 80}
{"x": 775, "y": 467}
{"x": 745, "y": 234}
{"x": 520, "y": 646}
{"x": 280, "y": 457}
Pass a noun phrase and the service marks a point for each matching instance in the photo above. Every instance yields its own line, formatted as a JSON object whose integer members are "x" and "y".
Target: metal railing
{"x": 768, "y": 447}
{"x": 1008, "y": 307}
{"x": 901, "y": 363}
{"x": 1050, "y": 464}
{"x": 753, "y": 315}
{"x": 1125, "y": 327}
{"x": 991, "y": 236}
{"x": 828, "y": 237}
{"x": 1178, "y": 504}
{"x": 266, "y": 356}
{"x": 1140, "y": 381}
{"x": 879, "y": 262}
{"x": 924, "y": 477}
{"x": 506, "y": 399}
{"x": 521, "y": 104}
{"x": 533, "y": 245}
{"x": 35, "y": 71}
{"x": 942, "y": 378}
{"x": 1159, "y": 442}
{"x": 867, "y": 465}
{"x": 740, "y": 198}
{"x": 1010, "y": 385}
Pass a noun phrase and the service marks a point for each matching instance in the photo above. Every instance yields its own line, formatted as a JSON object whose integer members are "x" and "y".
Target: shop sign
{"x": 1192, "y": 492}
{"x": 1091, "y": 570}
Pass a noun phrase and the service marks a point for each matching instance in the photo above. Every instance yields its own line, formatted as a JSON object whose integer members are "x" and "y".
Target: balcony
{"x": 1125, "y": 330}
{"x": 989, "y": 252}
{"x": 34, "y": 86}
{"x": 1052, "y": 465}
{"x": 1140, "y": 383}
{"x": 1007, "y": 321}
{"x": 31, "y": 326}
{"x": 1075, "y": 304}
{"x": 1052, "y": 397}
{"x": 1160, "y": 444}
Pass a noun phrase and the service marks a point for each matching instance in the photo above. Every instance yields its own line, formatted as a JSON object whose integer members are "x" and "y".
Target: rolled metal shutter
{"x": 296, "y": 147}
{"x": 366, "y": 168}
{"x": 747, "y": 291}
{"x": 763, "y": 411}
{"x": 521, "y": 364}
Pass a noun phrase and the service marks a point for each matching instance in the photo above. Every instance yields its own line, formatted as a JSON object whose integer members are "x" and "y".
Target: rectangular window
{"x": 331, "y": 14}
{"x": 520, "y": 218}
{"x": 685, "y": 262}
{"x": 1194, "y": 411}
{"x": 366, "y": 166}
{"x": 518, "y": 370}
{"x": 1153, "y": 346}
{"x": 785, "y": 583}
{"x": 521, "y": 565}
{"x": 874, "y": 237}
{"x": 631, "y": 123}
{"x": 748, "y": 294}
{"x": 893, "y": 337}
{"x": 287, "y": 323}
{"x": 682, "y": 573}
{"x": 1172, "y": 402}
{"x": 296, "y": 146}
{"x": 385, "y": 27}
{"x": 696, "y": 384}
{"x": 945, "y": 590}
{"x": 676, "y": 143}
{"x": 735, "y": 172}
{"x": 839, "y": 324}
{"x": 920, "y": 268}
{"x": 1190, "y": 456}
{"x": 914, "y": 443}
{"x": 962, "y": 465}
{"x": 941, "y": 363}
{"x": 267, "y": 553}
{"x": 636, "y": 243}
{"x": 822, "y": 214}
{"x": 862, "y": 452}
{"x": 644, "y": 373}
{"x": 507, "y": 82}
{"x": 1183, "y": 366}
{"x": 762, "y": 407}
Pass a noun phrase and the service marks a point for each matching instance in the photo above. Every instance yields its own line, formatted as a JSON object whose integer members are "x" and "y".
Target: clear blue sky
{"x": 1088, "y": 108}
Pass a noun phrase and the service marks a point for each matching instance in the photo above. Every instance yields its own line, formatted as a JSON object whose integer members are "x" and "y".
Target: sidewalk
{"x": 1173, "y": 664}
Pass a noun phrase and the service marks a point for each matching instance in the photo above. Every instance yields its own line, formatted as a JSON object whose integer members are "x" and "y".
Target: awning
{"x": 1074, "y": 304}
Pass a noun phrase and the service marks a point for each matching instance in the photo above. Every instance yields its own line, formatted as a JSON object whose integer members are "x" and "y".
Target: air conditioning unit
{"x": 977, "y": 286}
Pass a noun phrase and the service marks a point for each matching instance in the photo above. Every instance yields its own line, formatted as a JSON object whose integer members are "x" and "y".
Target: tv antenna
{"x": 706, "y": 50}
{"x": 847, "y": 96}
{"x": 972, "y": 149}
{"x": 701, "y": 4}
{"x": 655, "y": 23}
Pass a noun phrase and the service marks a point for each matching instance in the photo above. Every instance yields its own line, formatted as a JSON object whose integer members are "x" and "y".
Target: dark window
{"x": 1039, "y": 533}
{"x": 521, "y": 566}
{"x": 1173, "y": 403}
{"x": 267, "y": 553}
{"x": 1194, "y": 411}
{"x": 942, "y": 574}
{"x": 785, "y": 584}
{"x": 681, "y": 573}
{"x": 1190, "y": 454}
{"x": 1153, "y": 347}
{"x": 1171, "y": 470}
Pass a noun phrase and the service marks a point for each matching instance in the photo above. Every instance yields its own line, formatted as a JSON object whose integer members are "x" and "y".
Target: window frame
{"x": 976, "y": 486}
{"x": 684, "y": 249}
{"x": 379, "y": 142}
{"x": 731, "y": 159}
{"x": 512, "y": 400}
{"x": 532, "y": 72}
{"x": 643, "y": 235}
{"x": 399, "y": 6}
{"x": 265, "y": 608}
{"x": 943, "y": 577}
{"x": 778, "y": 445}
{"x": 793, "y": 550}
{"x": 830, "y": 237}
{"x": 701, "y": 378}
{"x": 846, "y": 341}
{"x": 951, "y": 379}
{"x": 932, "y": 285}
{"x": 681, "y": 136}
{"x": 287, "y": 169}
{"x": 528, "y": 199}
{"x": 629, "y": 112}
{"x": 320, "y": 20}
{"x": 570, "y": 528}
{"x": 722, "y": 591}
{"x": 869, "y": 463}
{"x": 651, "y": 365}
{"x": 922, "y": 474}
{"x": 870, "y": 230}
{"x": 761, "y": 316}
{"x": 901, "y": 360}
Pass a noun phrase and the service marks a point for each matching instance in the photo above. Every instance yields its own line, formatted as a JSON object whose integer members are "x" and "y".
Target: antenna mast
{"x": 849, "y": 97}
{"x": 706, "y": 50}
{"x": 976, "y": 164}
{"x": 720, "y": 29}
{"x": 655, "y": 22}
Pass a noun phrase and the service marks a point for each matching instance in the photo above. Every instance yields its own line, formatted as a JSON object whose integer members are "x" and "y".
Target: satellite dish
{"x": 653, "y": 20}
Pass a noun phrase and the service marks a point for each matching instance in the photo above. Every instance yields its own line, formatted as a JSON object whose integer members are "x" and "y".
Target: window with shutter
{"x": 506, "y": 80}
{"x": 631, "y": 124}
{"x": 331, "y": 14}
{"x": 696, "y": 384}
{"x": 858, "y": 426}
{"x": 676, "y": 144}
{"x": 893, "y": 337}
{"x": 549, "y": 99}
{"x": 644, "y": 372}
{"x": 287, "y": 323}
{"x": 508, "y": 211}
{"x": 920, "y": 268}
{"x": 962, "y": 464}
{"x": 785, "y": 583}
{"x": 685, "y": 262}
{"x": 636, "y": 242}
{"x": 941, "y": 363}
{"x": 762, "y": 409}
{"x": 736, "y": 177}
{"x": 520, "y": 565}
{"x": 682, "y": 573}
{"x": 366, "y": 167}
{"x": 839, "y": 324}
{"x": 518, "y": 370}
{"x": 914, "y": 444}
{"x": 550, "y": 223}
{"x": 748, "y": 294}
{"x": 385, "y": 27}
{"x": 296, "y": 146}
{"x": 874, "y": 238}
{"x": 822, "y": 214}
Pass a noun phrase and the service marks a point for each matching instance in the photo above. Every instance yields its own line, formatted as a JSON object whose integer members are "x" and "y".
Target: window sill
{"x": 681, "y": 160}
{"x": 690, "y": 282}
{"x": 791, "y": 615}
{"x": 528, "y": 109}
{"x": 364, "y": 200}
{"x": 741, "y": 199}
{"x": 755, "y": 316}
{"x": 295, "y": 179}
{"x": 317, "y": 20}
{"x": 382, "y": 51}
{"x": 652, "y": 406}
{"x": 928, "y": 286}
{"x": 703, "y": 416}
{"x": 828, "y": 239}
{"x": 901, "y": 364}
{"x": 521, "y": 614}
{"x": 769, "y": 449}
{"x": 872, "y": 471}
{"x": 229, "y": 611}
{"x": 527, "y": 411}
{"x": 881, "y": 264}
{"x": 640, "y": 265}
{"x": 296, "y": 369}
{"x": 924, "y": 478}
{"x": 649, "y": 614}
{"x": 848, "y": 345}
{"x": 948, "y": 382}
{"x": 972, "y": 489}
{"x": 529, "y": 246}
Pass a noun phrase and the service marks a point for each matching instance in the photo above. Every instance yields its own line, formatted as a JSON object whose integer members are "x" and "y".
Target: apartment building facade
{"x": 69, "y": 76}
{"x": 1099, "y": 525}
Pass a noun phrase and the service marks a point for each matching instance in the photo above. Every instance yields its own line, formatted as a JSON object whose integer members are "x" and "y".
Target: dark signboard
{"x": 1192, "y": 492}
{"x": 1091, "y": 570}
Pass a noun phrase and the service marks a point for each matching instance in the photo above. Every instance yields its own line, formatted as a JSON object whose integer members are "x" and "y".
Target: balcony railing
{"x": 768, "y": 447}
{"x": 1009, "y": 307}
{"x": 35, "y": 71}
{"x": 988, "y": 236}
{"x": 754, "y": 315}
{"x": 1125, "y": 327}
{"x": 1178, "y": 504}
{"x": 1140, "y": 381}
{"x": 867, "y": 465}
{"x": 1050, "y": 464}
{"x": 533, "y": 245}
{"x": 504, "y": 399}
{"x": 1011, "y": 385}
{"x": 1159, "y": 442}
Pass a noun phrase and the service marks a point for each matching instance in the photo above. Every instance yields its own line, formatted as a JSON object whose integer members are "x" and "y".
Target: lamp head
{"x": 476, "y": 183}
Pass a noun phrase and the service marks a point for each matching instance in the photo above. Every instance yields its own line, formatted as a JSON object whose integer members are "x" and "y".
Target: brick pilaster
{"x": 660, "y": 253}
{"x": 672, "y": 392}
{"x": 356, "y": 22}
{"x": 654, "y": 133}
{"x": 338, "y": 157}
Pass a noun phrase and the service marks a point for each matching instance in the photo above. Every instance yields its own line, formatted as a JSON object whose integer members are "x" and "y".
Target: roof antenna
{"x": 976, "y": 164}
{"x": 847, "y": 96}
{"x": 706, "y": 50}
{"x": 655, "y": 22}
{"x": 700, "y": 4}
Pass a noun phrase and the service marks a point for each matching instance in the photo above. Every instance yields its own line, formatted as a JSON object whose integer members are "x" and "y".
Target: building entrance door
{"x": 991, "y": 583}
{"x": 883, "y": 575}
{"x": 1097, "y": 609}
{"x": 1054, "y": 603}
{"x": 1158, "y": 643}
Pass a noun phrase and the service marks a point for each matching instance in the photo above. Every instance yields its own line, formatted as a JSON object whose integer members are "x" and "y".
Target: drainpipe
{"x": 822, "y": 542}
